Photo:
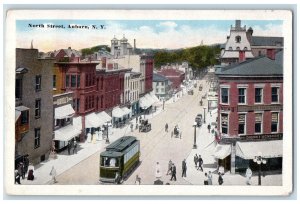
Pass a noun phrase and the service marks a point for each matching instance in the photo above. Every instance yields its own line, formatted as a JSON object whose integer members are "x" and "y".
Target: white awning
{"x": 92, "y": 121}
{"x": 126, "y": 111}
{"x": 65, "y": 111}
{"x": 267, "y": 149}
{"x": 144, "y": 103}
{"x": 66, "y": 133}
{"x": 77, "y": 123}
{"x": 17, "y": 115}
{"x": 149, "y": 99}
{"x": 104, "y": 116}
{"x": 154, "y": 97}
{"x": 117, "y": 112}
{"x": 222, "y": 151}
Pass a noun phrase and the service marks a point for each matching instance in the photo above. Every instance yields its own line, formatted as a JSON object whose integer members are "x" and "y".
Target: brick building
{"x": 34, "y": 106}
{"x": 250, "y": 113}
{"x": 174, "y": 75}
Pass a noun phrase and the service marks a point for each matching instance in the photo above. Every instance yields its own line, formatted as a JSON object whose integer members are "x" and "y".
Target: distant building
{"x": 162, "y": 86}
{"x": 63, "y": 55}
{"x": 34, "y": 105}
{"x": 250, "y": 113}
{"x": 121, "y": 47}
{"x": 134, "y": 92}
{"x": 174, "y": 75}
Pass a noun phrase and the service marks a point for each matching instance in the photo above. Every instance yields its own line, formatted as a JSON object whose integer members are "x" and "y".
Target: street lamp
{"x": 107, "y": 139}
{"x": 204, "y": 115}
{"x": 259, "y": 160}
{"x": 195, "y": 145}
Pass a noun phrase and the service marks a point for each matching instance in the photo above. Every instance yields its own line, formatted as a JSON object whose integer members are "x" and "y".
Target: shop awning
{"x": 65, "y": 111}
{"x": 92, "y": 121}
{"x": 267, "y": 149}
{"x": 104, "y": 116}
{"x": 77, "y": 123}
{"x": 66, "y": 133}
{"x": 117, "y": 112}
{"x": 144, "y": 103}
{"x": 126, "y": 111}
{"x": 154, "y": 97}
{"x": 222, "y": 151}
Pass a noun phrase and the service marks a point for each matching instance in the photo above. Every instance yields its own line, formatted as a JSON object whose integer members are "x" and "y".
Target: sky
{"x": 168, "y": 34}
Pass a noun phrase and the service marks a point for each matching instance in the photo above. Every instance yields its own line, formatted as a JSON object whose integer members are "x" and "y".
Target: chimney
{"x": 242, "y": 56}
{"x": 271, "y": 54}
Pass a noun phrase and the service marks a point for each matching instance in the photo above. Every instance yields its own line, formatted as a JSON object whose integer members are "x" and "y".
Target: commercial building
{"x": 162, "y": 86}
{"x": 250, "y": 113}
{"x": 174, "y": 75}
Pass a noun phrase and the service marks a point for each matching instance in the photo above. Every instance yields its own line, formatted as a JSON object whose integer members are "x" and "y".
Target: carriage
{"x": 119, "y": 160}
{"x": 176, "y": 132}
{"x": 145, "y": 126}
{"x": 200, "y": 88}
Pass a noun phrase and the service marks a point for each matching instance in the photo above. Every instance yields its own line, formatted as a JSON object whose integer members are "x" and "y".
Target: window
{"x": 162, "y": 90}
{"x": 37, "y": 108}
{"x": 258, "y": 122}
{"x": 274, "y": 124}
{"x": 157, "y": 90}
{"x": 162, "y": 83}
{"x": 258, "y": 95}
{"x": 18, "y": 90}
{"x": 245, "y": 48}
{"x": 24, "y": 117}
{"x": 238, "y": 48}
{"x": 37, "y": 137}
{"x": 38, "y": 80}
{"x": 242, "y": 95}
{"x": 224, "y": 123}
{"x": 54, "y": 81}
{"x": 73, "y": 80}
{"x": 242, "y": 126}
{"x": 275, "y": 91}
{"x": 67, "y": 80}
{"x": 230, "y": 48}
{"x": 238, "y": 39}
{"x": 224, "y": 95}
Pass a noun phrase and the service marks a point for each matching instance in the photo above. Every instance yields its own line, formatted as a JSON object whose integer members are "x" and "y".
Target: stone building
{"x": 34, "y": 102}
{"x": 250, "y": 113}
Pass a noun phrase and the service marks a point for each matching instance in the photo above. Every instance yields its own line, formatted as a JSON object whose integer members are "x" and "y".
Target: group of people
{"x": 172, "y": 170}
{"x": 72, "y": 145}
{"x": 198, "y": 162}
{"x": 22, "y": 169}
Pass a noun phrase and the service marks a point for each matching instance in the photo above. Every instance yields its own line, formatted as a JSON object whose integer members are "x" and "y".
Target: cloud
{"x": 168, "y": 24}
{"x": 273, "y": 30}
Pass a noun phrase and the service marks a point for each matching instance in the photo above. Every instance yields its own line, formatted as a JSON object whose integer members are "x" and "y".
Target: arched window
{"x": 237, "y": 48}
{"x": 230, "y": 48}
{"x": 245, "y": 48}
{"x": 238, "y": 39}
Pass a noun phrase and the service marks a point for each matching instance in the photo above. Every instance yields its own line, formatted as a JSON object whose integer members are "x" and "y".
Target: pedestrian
{"x": 157, "y": 171}
{"x": 23, "y": 170}
{"x": 75, "y": 147}
{"x": 53, "y": 174}
{"x": 196, "y": 160}
{"x": 166, "y": 127}
{"x": 136, "y": 120}
{"x": 209, "y": 176}
{"x": 184, "y": 168}
{"x": 140, "y": 119}
{"x": 137, "y": 180}
{"x": 173, "y": 172}
{"x": 205, "y": 179}
{"x": 131, "y": 127}
{"x": 69, "y": 148}
{"x": 208, "y": 127}
{"x": 200, "y": 161}
{"x": 169, "y": 167}
{"x": 248, "y": 176}
{"x": 30, "y": 175}
{"x": 220, "y": 179}
{"x": 17, "y": 177}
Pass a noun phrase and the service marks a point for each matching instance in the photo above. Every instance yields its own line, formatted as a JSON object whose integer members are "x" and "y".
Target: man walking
{"x": 69, "y": 148}
{"x": 173, "y": 172}
{"x": 208, "y": 127}
{"x": 200, "y": 161}
{"x": 53, "y": 174}
{"x": 75, "y": 147}
{"x": 166, "y": 127}
{"x": 220, "y": 179}
{"x": 169, "y": 167}
{"x": 184, "y": 168}
{"x": 248, "y": 175}
{"x": 196, "y": 160}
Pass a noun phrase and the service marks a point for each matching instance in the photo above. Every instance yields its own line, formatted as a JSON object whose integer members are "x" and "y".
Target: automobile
{"x": 198, "y": 120}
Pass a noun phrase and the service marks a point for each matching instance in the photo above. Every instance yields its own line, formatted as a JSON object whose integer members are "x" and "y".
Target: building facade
{"x": 174, "y": 75}
{"x": 250, "y": 113}
{"x": 161, "y": 86}
{"x": 34, "y": 101}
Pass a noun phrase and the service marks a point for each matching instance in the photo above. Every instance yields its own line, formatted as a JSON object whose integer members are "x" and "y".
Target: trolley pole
{"x": 107, "y": 139}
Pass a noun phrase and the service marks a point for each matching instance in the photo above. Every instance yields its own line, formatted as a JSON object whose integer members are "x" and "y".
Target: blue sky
{"x": 148, "y": 33}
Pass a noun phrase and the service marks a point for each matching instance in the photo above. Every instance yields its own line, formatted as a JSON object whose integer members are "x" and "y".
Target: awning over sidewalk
{"x": 65, "y": 111}
{"x": 144, "y": 103}
{"x": 222, "y": 151}
{"x": 117, "y": 112}
{"x": 156, "y": 100}
{"x": 77, "y": 123}
{"x": 104, "y": 116}
{"x": 126, "y": 111}
{"x": 66, "y": 133}
{"x": 92, "y": 121}
{"x": 268, "y": 149}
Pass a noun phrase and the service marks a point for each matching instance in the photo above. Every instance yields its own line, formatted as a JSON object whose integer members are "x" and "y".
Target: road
{"x": 156, "y": 145}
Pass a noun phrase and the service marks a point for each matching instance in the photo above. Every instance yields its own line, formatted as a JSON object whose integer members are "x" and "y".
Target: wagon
{"x": 145, "y": 126}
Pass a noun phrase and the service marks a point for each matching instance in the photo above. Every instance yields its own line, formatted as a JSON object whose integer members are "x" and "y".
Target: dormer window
{"x": 237, "y": 48}
{"x": 230, "y": 48}
{"x": 245, "y": 48}
{"x": 238, "y": 39}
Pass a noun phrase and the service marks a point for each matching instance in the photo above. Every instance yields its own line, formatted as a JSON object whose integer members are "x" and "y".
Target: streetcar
{"x": 119, "y": 160}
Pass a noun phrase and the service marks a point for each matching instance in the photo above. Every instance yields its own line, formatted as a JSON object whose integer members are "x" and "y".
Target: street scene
{"x": 124, "y": 112}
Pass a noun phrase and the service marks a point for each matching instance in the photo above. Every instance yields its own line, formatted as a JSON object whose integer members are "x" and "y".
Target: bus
{"x": 119, "y": 160}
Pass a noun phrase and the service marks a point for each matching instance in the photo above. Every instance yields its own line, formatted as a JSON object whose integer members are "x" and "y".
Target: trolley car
{"x": 119, "y": 160}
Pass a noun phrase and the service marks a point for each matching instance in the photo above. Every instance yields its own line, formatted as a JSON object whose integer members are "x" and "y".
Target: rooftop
{"x": 266, "y": 41}
{"x": 158, "y": 77}
{"x": 121, "y": 144}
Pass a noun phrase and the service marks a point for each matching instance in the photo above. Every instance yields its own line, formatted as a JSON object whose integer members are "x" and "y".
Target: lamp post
{"x": 107, "y": 139}
{"x": 259, "y": 160}
{"x": 204, "y": 116}
{"x": 195, "y": 145}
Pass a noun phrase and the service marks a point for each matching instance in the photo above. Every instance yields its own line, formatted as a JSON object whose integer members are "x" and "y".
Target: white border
{"x": 9, "y": 73}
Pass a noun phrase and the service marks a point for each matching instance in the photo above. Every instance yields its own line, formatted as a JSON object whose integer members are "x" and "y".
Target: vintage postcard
{"x": 148, "y": 102}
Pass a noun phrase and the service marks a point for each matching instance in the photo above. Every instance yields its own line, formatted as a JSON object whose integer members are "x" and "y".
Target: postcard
{"x": 148, "y": 102}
